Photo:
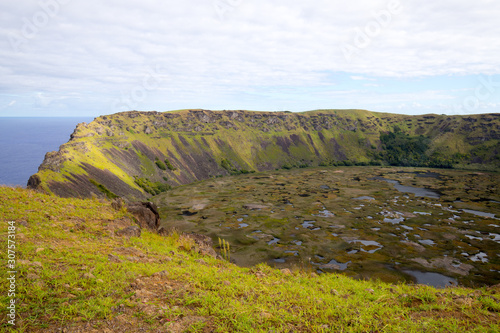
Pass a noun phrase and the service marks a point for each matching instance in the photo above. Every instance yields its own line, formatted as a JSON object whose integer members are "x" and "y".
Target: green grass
{"x": 70, "y": 238}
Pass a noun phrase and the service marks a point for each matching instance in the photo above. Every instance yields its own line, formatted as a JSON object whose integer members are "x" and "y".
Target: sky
{"x": 91, "y": 58}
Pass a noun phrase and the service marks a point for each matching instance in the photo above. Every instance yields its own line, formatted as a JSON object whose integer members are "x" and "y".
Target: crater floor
{"x": 392, "y": 224}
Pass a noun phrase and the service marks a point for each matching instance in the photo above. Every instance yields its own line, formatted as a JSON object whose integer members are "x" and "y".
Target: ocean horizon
{"x": 24, "y": 141}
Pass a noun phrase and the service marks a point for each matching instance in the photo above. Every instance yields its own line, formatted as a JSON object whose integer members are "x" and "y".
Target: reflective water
{"x": 426, "y": 241}
{"x": 473, "y": 237}
{"x": 324, "y": 213}
{"x": 419, "y": 192}
{"x": 431, "y": 279}
{"x": 495, "y": 237}
{"x": 478, "y": 213}
{"x": 364, "y": 198}
{"x": 308, "y": 224}
{"x": 394, "y": 221}
{"x": 273, "y": 241}
{"x": 481, "y": 256}
{"x": 343, "y": 266}
{"x": 368, "y": 243}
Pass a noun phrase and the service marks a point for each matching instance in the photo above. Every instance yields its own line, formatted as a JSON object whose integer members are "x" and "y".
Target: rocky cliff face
{"x": 137, "y": 154}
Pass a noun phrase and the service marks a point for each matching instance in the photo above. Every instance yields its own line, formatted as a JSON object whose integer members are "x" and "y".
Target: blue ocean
{"x": 25, "y": 141}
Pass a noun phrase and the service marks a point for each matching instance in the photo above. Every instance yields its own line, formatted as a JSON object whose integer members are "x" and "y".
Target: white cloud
{"x": 361, "y": 78}
{"x": 97, "y": 50}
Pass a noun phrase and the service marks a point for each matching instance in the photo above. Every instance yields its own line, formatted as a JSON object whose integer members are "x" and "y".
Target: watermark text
{"x": 363, "y": 36}
{"x": 223, "y": 7}
{"x": 485, "y": 89}
{"x": 31, "y": 26}
{"x": 130, "y": 100}
{"x": 11, "y": 273}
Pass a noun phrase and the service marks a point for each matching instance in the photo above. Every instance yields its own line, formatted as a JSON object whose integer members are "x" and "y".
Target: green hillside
{"x": 140, "y": 154}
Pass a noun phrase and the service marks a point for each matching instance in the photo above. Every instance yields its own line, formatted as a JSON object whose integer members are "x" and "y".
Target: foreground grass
{"x": 73, "y": 272}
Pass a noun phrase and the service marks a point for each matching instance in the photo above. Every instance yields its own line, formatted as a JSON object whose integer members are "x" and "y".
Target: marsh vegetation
{"x": 392, "y": 224}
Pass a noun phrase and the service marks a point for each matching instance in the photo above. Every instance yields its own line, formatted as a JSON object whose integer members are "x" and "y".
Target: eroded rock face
{"x": 119, "y": 151}
{"x": 146, "y": 214}
{"x": 34, "y": 181}
{"x": 53, "y": 161}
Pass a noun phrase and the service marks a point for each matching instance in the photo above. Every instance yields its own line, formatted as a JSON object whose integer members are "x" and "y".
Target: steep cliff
{"x": 139, "y": 154}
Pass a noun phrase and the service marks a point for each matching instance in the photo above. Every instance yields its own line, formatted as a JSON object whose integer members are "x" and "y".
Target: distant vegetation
{"x": 404, "y": 150}
{"x": 226, "y": 164}
{"x": 401, "y": 149}
{"x": 164, "y": 165}
{"x": 153, "y": 188}
{"x": 160, "y": 164}
{"x": 169, "y": 165}
{"x": 351, "y": 163}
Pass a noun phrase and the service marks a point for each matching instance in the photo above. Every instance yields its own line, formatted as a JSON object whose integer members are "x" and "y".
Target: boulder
{"x": 146, "y": 214}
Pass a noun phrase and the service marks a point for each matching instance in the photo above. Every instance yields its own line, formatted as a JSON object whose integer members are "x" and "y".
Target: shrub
{"x": 153, "y": 188}
{"x": 226, "y": 164}
{"x": 169, "y": 165}
{"x": 160, "y": 164}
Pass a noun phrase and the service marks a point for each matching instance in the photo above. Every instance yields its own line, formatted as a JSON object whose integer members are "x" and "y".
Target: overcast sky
{"x": 89, "y": 58}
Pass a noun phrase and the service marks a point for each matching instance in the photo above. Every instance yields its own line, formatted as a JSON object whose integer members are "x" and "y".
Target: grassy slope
{"x": 356, "y": 131}
{"x": 66, "y": 279}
